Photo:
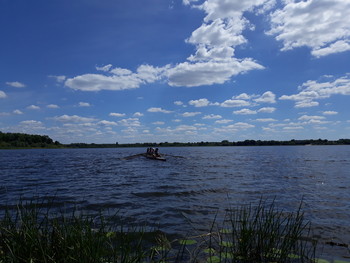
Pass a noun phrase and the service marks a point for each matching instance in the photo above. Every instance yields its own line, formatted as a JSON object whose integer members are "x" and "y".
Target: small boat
{"x": 159, "y": 158}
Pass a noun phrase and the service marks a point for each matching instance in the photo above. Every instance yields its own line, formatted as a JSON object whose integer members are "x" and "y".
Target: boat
{"x": 153, "y": 157}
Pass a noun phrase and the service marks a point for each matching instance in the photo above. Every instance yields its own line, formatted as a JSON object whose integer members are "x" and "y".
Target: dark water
{"x": 207, "y": 179}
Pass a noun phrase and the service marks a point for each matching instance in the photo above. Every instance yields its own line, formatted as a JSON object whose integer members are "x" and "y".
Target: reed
{"x": 33, "y": 233}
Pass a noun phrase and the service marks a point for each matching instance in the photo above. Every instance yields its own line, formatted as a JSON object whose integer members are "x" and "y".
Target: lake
{"x": 193, "y": 184}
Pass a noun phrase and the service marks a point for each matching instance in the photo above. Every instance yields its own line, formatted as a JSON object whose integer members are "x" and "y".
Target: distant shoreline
{"x": 29, "y": 141}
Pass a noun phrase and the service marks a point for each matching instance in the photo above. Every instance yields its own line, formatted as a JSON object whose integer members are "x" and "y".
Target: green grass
{"x": 262, "y": 233}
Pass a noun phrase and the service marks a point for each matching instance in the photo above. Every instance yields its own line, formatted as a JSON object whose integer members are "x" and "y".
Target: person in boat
{"x": 150, "y": 151}
{"x": 156, "y": 154}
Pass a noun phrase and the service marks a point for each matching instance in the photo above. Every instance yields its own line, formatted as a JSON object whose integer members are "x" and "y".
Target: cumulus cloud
{"x": 321, "y": 25}
{"x": 178, "y": 103}
{"x": 308, "y": 118}
{"x": 221, "y": 32}
{"x": 313, "y": 90}
{"x": 115, "y": 114}
{"x": 209, "y": 72}
{"x": 337, "y": 47}
{"x": 266, "y": 120}
{"x": 158, "y": 123}
{"x": 243, "y": 96}
{"x": 16, "y": 84}
{"x": 235, "y": 103}
{"x": 130, "y": 122}
{"x": 199, "y": 103}
{"x": 211, "y": 117}
{"x": 267, "y": 97}
{"x": 245, "y": 112}
{"x": 33, "y": 107}
{"x": 52, "y": 106}
{"x": 155, "y": 109}
{"x": 190, "y": 114}
{"x": 239, "y": 126}
{"x": 73, "y": 119}
{"x": 138, "y": 114}
{"x": 2, "y": 94}
{"x": 31, "y": 122}
{"x": 17, "y": 112}
{"x": 267, "y": 110}
{"x": 105, "y": 68}
{"x": 330, "y": 113}
{"x": 84, "y": 104}
{"x": 107, "y": 123}
{"x": 225, "y": 121}
{"x": 117, "y": 79}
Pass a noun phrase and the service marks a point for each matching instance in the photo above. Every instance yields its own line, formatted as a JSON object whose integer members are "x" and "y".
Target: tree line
{"x": 222, "y": 143}
{"x": 22, "y": 140}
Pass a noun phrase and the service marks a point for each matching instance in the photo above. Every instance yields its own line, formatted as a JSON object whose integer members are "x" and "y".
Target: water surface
{"x": 194, "y": 187}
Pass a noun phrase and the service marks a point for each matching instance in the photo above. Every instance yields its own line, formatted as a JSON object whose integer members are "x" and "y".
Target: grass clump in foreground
{"x": 30, "y": 233}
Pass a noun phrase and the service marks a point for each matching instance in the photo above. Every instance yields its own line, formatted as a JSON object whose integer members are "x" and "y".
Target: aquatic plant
{"x": 31, "y": 232}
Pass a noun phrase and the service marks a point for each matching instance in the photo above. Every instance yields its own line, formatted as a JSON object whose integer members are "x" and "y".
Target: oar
{"x": 132, "y": 156}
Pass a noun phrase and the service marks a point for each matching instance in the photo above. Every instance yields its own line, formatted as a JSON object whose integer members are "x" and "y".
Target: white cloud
{"x": 31, "y": 122}
{"x": 138, "y": 114}
{"x": 17, "y": 112}
{"x": 52, "y": 106}
{"x": 242, "y": 96}
{"x": 130, "y": 122}
{"x": 158, "y": 123}
{"x": 97, "y": 82}
{"x": 228, "y": 8}
{"x": 337, "y": 47}
{"x": 245, "y": 112}
{"x": 321, "y": 25}
{"x": 16, "y": 84}
{"x": 155, "y": 109}
{"x": 308, "y": 118}
{"x": 84, "y": 104}
{"x": 31, "y": 126}
{"x": 330, "y": 113}
{"x": 211, "y": 117}
{"x": 73, "y": 118}
{"x": 105, "y": 68}
{"x": 313, "y": 90}
{"x": 306, "y": 104}
{"x": 115, "y": 114}
{"x": 208, "y": 73}
{"x": 199, "y": 103}
{"x": 217, "y": 39}
{"x": 267, "y": 97}
{"x": 190, "y": 114}
{"x": 240, "y": 126}
{"x": 267, "y": 110}
{"x": 225, "y": 121}
{"x": 266, "y": 120}
{"x": 235, "y": 103}
{"x": 107, "y": 123}
{"x": 2, "y": 94}
{"x": 33, "y": 107}
{"x": 118, "y": 79}
{"x": 178, "y": 103}
{"x": 293, "y": 128}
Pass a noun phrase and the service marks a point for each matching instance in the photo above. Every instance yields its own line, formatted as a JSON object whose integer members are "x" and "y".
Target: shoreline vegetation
{"x": 33, "y": 231}
{"x": 23, "y": 141}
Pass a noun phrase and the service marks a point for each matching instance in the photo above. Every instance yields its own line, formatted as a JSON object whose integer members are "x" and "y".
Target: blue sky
{"x": 106, "y": 71}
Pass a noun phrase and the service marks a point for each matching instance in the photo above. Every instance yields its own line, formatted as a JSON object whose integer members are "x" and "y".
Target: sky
{"x": 107, "y": 71}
